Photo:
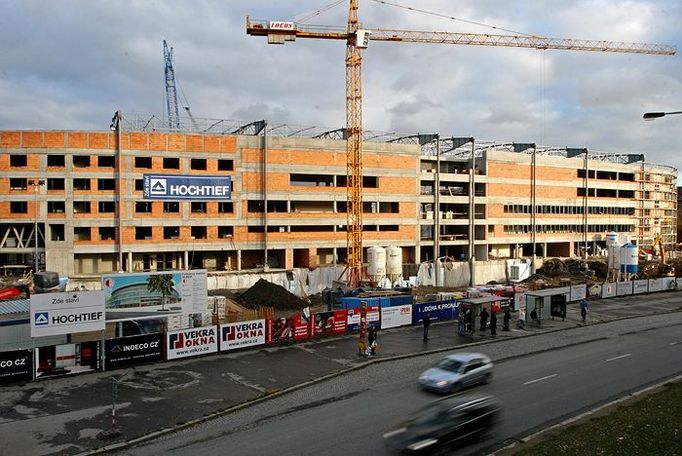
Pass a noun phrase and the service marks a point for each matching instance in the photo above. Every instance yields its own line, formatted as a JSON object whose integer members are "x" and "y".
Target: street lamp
{"x": 656, "y": 115}
{"x": 35, "y": 184}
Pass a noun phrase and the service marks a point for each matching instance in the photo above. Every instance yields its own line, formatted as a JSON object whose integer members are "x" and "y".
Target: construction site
{"x": 308, "y": 207}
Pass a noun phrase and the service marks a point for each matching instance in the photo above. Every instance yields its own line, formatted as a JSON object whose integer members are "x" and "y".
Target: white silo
{"x": 376, "y": 263}
{"x": 394, "y": 263}
{"x": 613, "y": 250}
{"x": 629, "y": 259}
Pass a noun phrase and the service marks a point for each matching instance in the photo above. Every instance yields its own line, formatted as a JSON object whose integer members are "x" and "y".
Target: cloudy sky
{"x": 70, "y": 64}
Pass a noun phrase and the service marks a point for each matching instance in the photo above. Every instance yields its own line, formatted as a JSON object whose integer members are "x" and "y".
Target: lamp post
{"x": 35, "y": 183}
{"x": 656, "y": 115}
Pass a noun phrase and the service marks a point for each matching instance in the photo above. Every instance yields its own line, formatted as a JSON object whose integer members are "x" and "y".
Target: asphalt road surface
{"x": 348, "y": 414}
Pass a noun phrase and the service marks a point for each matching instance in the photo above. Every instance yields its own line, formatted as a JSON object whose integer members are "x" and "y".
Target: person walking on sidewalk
{"x": 427, "y": 323}
{"x": 506, "y": 319}
{"x": 584, "y": 307}
{"x": 493, "y": 324}
{"x": 484, "y": 319}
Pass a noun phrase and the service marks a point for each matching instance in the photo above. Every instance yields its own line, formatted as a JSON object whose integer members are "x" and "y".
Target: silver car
{"x": 457, "y": 371}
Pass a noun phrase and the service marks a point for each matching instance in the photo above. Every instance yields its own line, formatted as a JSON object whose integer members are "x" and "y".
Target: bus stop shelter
{"x": 470, "y": 309}
{"x": 538, "y": 301}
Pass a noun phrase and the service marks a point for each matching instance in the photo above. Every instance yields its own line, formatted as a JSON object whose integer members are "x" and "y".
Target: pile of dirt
{"x": 264, "y": 293}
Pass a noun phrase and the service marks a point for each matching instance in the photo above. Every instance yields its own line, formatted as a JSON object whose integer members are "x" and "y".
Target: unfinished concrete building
{"x": 79, "y": 195}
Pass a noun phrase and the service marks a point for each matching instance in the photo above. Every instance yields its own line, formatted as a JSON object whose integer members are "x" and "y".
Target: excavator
{"x": 662, "y": 269}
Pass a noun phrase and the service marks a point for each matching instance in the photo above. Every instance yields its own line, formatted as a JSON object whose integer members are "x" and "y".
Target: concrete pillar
{"x": 130, "y": 261}
{"x": 239, "y": 260}
{"x": 186, "y": 259}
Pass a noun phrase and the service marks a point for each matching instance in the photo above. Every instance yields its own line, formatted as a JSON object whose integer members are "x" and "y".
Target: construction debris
{"x": 264, "y": 293}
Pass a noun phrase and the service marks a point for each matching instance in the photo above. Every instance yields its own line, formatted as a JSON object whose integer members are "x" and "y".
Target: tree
{"x": 162, "y": 283}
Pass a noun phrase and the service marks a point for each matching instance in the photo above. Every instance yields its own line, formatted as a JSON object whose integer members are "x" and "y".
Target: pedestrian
{"x": 521, "y": 324}
{"x": 534, "y": 315}
{"x": 584, "y": 307}
{"x": 427, "y": 323}
{"x": 493, "y": 324}
{"x": 506, "y": 319}
{"x": 484, "y": 319}
{"x": 372, "y": 339}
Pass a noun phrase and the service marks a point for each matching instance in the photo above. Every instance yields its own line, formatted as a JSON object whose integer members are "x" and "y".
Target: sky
{"x": 71, "y": 64}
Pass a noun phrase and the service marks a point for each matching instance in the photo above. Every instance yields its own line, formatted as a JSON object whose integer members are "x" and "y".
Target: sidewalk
{"x": 65, "y": 415}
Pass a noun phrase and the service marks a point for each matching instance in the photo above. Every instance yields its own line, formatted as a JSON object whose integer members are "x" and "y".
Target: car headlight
{"x": 442, "y": 383}
{"x": 416, "y": 446}
{"x": 395, "y": 432}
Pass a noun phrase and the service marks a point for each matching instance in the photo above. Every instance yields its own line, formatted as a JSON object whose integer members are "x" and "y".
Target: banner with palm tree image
{"x": 183, "y": 291}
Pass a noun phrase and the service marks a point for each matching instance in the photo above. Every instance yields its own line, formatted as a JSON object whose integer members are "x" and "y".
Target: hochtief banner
{"x": 242, "y": 334}
{"x": 192, "y": 342}
{"x": 54, "y": 314}
{"x": 194, "y": 188}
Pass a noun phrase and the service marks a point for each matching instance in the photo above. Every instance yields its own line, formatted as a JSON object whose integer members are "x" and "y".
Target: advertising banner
{"x": 373, "y": 318}
{"x": 640, "y": 286}
{"x": 608, "y": 290}
{"x": 189, "y": 188}
{"x": 392, "y": 317}
{"x": 624, "y": 288}
{"x": 16, "y": 366}
{"x": 191, "y": 342}
{"x": 54, "y": 314}
{"x": 301, "y": 327}
{"x": 669, "y": 283}
{"x": 242, "y": 334}
{"x": 329, "y": 323}
{"x": 578, "y": 292}
{"x": 595, "y": 291}
{"x": 438, "y": 310}
{"x": 678, "y": 282}
{"x": 280, "y": 330}
{"x": 520, "y": 301}
{"x": 184, "y": 291}
{"x": 655, "y": 285}
{"x": 126, "y": 351}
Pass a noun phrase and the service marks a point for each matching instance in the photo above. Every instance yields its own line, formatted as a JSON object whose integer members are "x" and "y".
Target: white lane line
{"x": 618, "y": 357}
{"x": 540, "y": 379}
{"x": 675, "y": 343}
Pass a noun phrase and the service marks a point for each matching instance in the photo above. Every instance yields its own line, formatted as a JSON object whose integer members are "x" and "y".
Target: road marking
{"x": 540, "y": 379}
{"x": 619, "y": 357}
{"x": 675, "y": 343}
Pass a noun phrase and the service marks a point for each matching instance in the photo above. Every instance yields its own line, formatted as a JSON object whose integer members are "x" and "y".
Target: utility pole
{"x": 35, "y": 183}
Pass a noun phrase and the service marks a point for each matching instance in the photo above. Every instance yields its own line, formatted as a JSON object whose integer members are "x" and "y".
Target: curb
{"x": 583, "y": 415}
{"x": 179, "y": 427}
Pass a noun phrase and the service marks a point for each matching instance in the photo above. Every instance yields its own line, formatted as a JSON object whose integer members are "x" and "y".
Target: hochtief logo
{"x": 42, "y": 318}
{"x": 158, "y": 186}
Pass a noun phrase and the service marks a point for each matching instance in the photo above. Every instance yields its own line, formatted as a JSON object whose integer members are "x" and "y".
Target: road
{"x": 348, "y": 414}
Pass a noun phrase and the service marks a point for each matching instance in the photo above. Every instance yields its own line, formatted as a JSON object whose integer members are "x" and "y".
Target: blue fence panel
{"x": 401, "y": 300}
{"x": 439, "y": 310}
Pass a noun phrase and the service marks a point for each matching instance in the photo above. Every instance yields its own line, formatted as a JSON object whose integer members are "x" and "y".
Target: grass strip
{"x": 650, "y": 426}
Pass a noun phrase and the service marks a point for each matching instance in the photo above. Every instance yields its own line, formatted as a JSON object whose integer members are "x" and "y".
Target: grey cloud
{"x": 71, "y": 64}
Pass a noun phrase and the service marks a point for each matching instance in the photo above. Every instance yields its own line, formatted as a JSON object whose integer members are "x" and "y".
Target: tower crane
{"x": 171, "y": 92}
{"x": 279, "y": 32}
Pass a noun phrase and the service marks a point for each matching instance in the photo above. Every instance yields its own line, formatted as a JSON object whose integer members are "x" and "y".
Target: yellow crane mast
{"x": 279, "y": 32}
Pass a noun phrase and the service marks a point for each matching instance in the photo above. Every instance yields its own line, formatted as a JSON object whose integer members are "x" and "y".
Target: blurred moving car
{"x": 457, "y": 371}
{"x": 445, "y": 424}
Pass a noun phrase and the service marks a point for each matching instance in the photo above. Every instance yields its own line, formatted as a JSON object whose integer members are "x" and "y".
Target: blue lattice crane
{"x": 171, "y": 92}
